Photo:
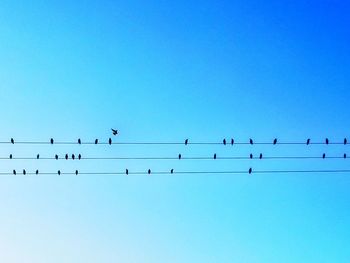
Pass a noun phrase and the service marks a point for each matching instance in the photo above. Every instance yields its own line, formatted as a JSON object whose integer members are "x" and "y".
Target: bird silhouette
{"x": 327, "y": 141}
{"x": 179, "y": 156}
{"x": 232, "y": 141}
{"x": 59, "y": 172}
{"x": 260, "y": 156}
{"x": 51, "y": 141}
{"x": 115, "y": 132}
{"x": 172, "y": 171}
{"x": 186, "y": 141}
{"x": 73, "y": 156}
{"x": 10, "y": 156}
{"x": 251, "y": 156}
{"x": 308, "y": 142}
{"x": 96, "y": 141}
{"x": 251, "y": 141}
{"x": 149, "y": 171}
{"x": 126, "y": 171}
{"x": 79, "y": 141}
{"x": 12, "y": 141}
{"x": 324, "y": 156}
{"x": 37, "y": 156}
{"x": 344, "y": 155}
{"x": 275, "y": 141}
{"x": 14, "y": 172}
{"x": 66, "y": 156}
{"x": 250, "y": 170}
{"x": 79, "y": 156}
{"x": 76, "y": 172}
{"x": 214, "y": 156}
{"x": 56, "y": 157}
{"x": 110, "y": 141}
{"x": 345, "y": 141}
{"x": 224, "y": 141}
{"x": 24, "y": 171}
{"x": 37, "y": 172}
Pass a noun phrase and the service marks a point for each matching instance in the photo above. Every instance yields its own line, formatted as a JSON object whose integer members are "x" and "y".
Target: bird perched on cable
{"x": 56, "y": 157}
{"x": 96, "y": 141}
{"x": 324, "y": 156}
{"x": 186, "y": 141}
{"x": 260, "y": 156}
{"x": 251, "y": 141}
{"x": 37, "y": 156}
{"x": 24, "y": 171}
{"x": 224, "y": 141}
{"x": 172, "y": 171}
{"x": 250, "y": 170}
{"x": 327, "y": 141}
{"x": 79, "y": 156}
{"x": 251, "y": 156}
{"x": 12, "y": 141}
{"x": 275, "y": 141}
{"x": 79, "y": 141}
{"x": 214, "y": 156}
{"x": 308, "y": 142}
{"x": 14, "y": 172}
{"x": 76, "y": 172}
{"x": 344, "y": 155}
{"x": 232, "y": 141}
{"x": 10, "y": 156}
{"x": 59, "y": 172}
{"x": 115, "y": 132}
{"x": 66, "y": 156}
{"x": 37, "y": 172}
{"x": 51, "y": 141}
{"x": 126, "y": 171}
{"x": 73, "y": 156}
{"x": 345, "y": 141}
{"x": 110, "y": 141}
{"x": 149, "y": 171}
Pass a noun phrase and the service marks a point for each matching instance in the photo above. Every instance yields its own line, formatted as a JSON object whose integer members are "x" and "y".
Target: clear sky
{"x": 166, "y": 71}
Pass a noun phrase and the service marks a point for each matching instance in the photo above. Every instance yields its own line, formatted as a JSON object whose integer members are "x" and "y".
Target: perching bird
{"x": 250, "y": 170}
{"x": 12, "y": 141}
{"x": 324, "y": 156}
{"x": 56, "y": 157}
{"x": 66, "y": 156}
{"x": 79, "y": 156}
{"x": 76, "y": 172}
{"x": 96, "y": 141}
{"x": 126, "y": 171}
{"x": 214, "y": 155}
{"x": 73, "y": 156}
{"x": 179, "y": 156}
{"x": 24, "y": 171}
{"x": 110, "y": 141}
{"x": 51, "y": 141}
{"x": 186, "y": 141}
{"x": 327, "y": 141}
{"x": 345, "y": 141}
{"x": 232, "y": 141}
{"x": 37, "y": 172}
{"x": 115, "y": 132}
{"x": 260, "y": 156}
{"x": 275, "y": 141}
{"x": 172, "y": 171}
{"x": 224, "y": 141}
{"x": 14, "y": 172}
{"x": 344, "y": 155}
{"x": 251, "y": 141}
{"x": 10, "y": 156}
{"x": 59, "y": 172}
{"x": 308, "y": 142}
{"x": 79, "y": 141}
{"x": 149, "y": 171}
{"x": 37, "y": 156}
{"x": 251, "y": 156}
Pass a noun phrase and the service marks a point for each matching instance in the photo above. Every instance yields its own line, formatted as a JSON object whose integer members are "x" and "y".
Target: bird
{"x": 59, "y": 172}
{"x": 275, "y": 141}
{"x": 10, "y": 156}
{"x": 126, "y": 171}
{"x": 179, "y": 156}
{"x": 73, "y": 156}
{"x": 14, "y": 172}
{"x": 224, "y": 141}
{"x": 110, "y": 141}
{"x": 56, "y": 157}
{"x": 327, "y": 141}
{"x": 37, "y": 156}
{"x": 149, "y": 171}
{"x": 96, "y": 141}
{"x": 51, "y": 141}
{"x": 344, "y": 155}
{"x": 12, "y": 141}
{"x": 79, "y": 141}
{"x": 186, "y": 141}
{"x": 76, "y": 172}
{"x": 214, "y": 155}
{"x": 251, "y": 141}
{"x": 115, "y": 132}
{"x": 37, "y": 172}
{"x": 308, "y": 142}
{"x": 260, "y": 156}
{"x": 232, "y": 141}
{"x": 324, "y": 156}
{"x": 66, "y": 156}
{"x": 79, "y": 156}
{"x": 251, "y": 156}
{"x": 172, "y": 171}
{"x": 345, "y": 141}
{"x": 24, "y": 171}
{"x": 250, "y": 170}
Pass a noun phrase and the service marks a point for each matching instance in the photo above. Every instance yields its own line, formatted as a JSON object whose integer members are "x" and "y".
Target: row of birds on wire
{"x": 185, "y": 142}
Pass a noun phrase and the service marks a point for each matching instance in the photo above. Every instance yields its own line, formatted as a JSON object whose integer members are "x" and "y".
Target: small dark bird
{"x": 66, "y": 156}
{"x": 344, "y": 155}
{"x": 14, "y": 172}
{"x": 73, "y": 156}
{"x": 12, "y": 141}
{"x": 37, "y": 172}
{"x": 79, "y": 156}
{"x": 214, "y": 156}
{"x": 115, "y": 132}
{"x": 96, "y": 141}
{"x": 324, "y": 156}
{"x": 24, "y": 171}
{"x": 172, "y": 171}
{"x": 59, "y": 172}
{"x": 126, "y": 171}
{"x": 224, "y": 141}
{"x": 232, "y": 141}
{"x": 56, "y": 157}
{"x": 345, "y": 141}
{"x": 51, "y": 141}
{"x": 251, "y": 141}
{"x": 179, "y": 156}
{"x": 79, "y": 141}
{"x": 251, "y": 156}
{"x": 186, "y": 141}
{"x": 275, "y": 141}
{"x": 10, "y": 156}
{"x": 250, "y": 170}
{"x": 327, "y": 141}
{"x": 149, "y": 171}
{"x": 110, "y": 141}
{"x": 308, "y": 142}
{"x": 37, "y": 156}
{"x": 260, "y": 156}
{"x": 76, "y": 172}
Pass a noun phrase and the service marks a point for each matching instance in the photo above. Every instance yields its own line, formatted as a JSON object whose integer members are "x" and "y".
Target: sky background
{"x": 166, "y": 71}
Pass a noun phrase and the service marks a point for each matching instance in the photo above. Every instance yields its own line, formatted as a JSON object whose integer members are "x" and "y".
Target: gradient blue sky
{"x": 161, "y": 70}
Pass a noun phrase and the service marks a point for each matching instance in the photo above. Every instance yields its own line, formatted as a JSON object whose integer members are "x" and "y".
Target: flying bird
{"x": 149, "y": 171}
{"x": 115, "y": 132}
{"x": 56, "y": 157}
{"x": 76, "y": 172}
{"x": 51, "y": 141}
{"x": 224, "y": 141}
{"x": 37, "y": 172}
{"x": 186, "y": 141}
{"x": 12, "y": 141}
{"x": 110, "y": 141}
{"x": 79, "y": 156}
{"x": 37, "y": 156}
{"x": 275, "y": 141}
{"x": 214, "y": 156}
{"x": 179, "y": 156}
{"x": 250, "y": 170}
{"x": 251, "y": 141}
{"x": 327, "y": 141}
{"x": 79, "y": 141}
{"x": 172, "y": 171}
{"x": 96, "y": 141}
{"x": 14, "y": 172}
{"x": 24, "y": 171}
{"x": 232, "y": 141}
{"x": 345, "y": 141}
{"x": 308, "y": 142}
{"x": 126, "y": 171}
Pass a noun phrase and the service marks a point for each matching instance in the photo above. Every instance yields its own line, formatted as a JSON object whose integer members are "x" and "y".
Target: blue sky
{"x": 168, "y": 71}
